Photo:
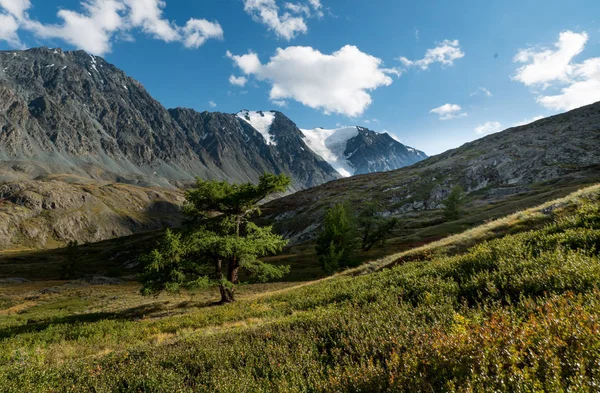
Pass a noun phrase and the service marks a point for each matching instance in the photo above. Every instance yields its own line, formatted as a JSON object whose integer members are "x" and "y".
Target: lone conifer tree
{"x": 453, "y": 205}
{"x": 222, "y": 238}
{"x": 375, "y": 229}
{"x": 338, "y": 240}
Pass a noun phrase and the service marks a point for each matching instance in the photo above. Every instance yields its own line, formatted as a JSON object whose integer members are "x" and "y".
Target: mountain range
{"x": 538, "y": 161}
{"x": 87, "y": 154}
{"x": 74, "y": 115}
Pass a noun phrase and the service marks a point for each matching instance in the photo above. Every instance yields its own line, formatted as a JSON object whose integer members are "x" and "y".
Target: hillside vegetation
{"x": 511, "y": 306}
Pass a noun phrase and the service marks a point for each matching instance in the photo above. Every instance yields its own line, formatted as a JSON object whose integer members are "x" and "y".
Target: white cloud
{"x": 100, "y": 22}
{"x": 197, "y": 31}
{"x": 445, "y": 53}
{"x": 575, "y": 84}
{"x": 298, "y": 8}
{"x": 248, "y": 63}
{"x": 286, "y": 25}
{"x": 584, "y": 88}
{"x": 527, "y": 121}
{"x": 147, "y": 14}
{"x": 16, "y": 8}
{"x": 549, "y": 65}
{"x": 317, "y": 7}
{"x": 91, "y": 30}
{"x": 335, "y": 83}
{"x": 8, "y": 31}
{"x": 238, "y": 80}
{"x": 448, "y": 111}
{"x": 488, "y": 128}
{"x": 212, "y": 104}
{"x": 483, "y": 90}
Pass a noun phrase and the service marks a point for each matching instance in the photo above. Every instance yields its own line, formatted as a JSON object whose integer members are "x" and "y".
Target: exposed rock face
{"x": 559, "y": 148}
{"x": 358, "y": 150}
{"x": 230, "y": 145}
{"x": 75, "y": 114}
{"x": 39, "y": 214}
{"x": 370, "y": 152}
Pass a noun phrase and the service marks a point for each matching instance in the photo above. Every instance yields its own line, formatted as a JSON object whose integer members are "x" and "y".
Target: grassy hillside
{"x": 511, "y": 306}
{"x": 518, "y": 166}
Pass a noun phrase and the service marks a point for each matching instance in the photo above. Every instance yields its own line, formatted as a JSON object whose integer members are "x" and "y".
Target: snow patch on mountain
{"x": 331, "y": 146}
{"x": 261, "y": 122}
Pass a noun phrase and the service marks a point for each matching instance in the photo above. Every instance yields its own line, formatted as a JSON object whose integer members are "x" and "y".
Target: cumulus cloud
{"x": 8, "y": 31}
{"x": 334, "y": 83}
{"x": 448, "y": 111}
{"x": 212, "y": 104}
{"x": 16, "y": 8}
{"x": 197, "y": 31}
{"x": 100, "y": 22}
{"x": 488, "y": 128}
{"x": 238, "y": 80}
{"x": 547, "y": 65}
{"x": 574, "y": 84}
{"x": 445, "y": 53}
{"x": 583, "y": 88}
{"x": 287, "y": 24}
{"x": 91, "y": 30}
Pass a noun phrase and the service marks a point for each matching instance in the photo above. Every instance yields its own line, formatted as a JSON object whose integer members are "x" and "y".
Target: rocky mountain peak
{"x": 74, "y": 115}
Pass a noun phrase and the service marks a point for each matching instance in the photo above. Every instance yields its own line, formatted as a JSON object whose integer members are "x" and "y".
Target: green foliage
{"x": 222, "y": 237}
{"x": 211, "y": 197}
{"x": 166, "y": 267}
{"x": 454, "y": 203}
{"x": 374, "y": 228}
{"x": 337, "y": 241}
{"x": 514, "y": 314}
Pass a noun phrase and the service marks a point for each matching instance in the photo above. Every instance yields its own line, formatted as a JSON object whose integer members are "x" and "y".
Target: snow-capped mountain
{"x": 358, "y": 150}
{"x": 74, "y": 114}
{"x": 349, "y": 150}
{"x": 261, "y": 121}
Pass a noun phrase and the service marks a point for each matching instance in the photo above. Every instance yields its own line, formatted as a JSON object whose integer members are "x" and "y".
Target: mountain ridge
{"x": 75, "y": 113}
{"x": 560, "y": 149}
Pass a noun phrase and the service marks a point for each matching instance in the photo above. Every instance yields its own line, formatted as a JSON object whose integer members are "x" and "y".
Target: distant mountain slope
{"x": 47, "y": 214}
{"x": 358, "y": 150}
{"x": 73, "y": 113}
{"x": 559, "y": 150}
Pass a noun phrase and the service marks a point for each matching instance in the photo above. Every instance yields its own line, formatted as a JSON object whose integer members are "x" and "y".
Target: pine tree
{"x": 337, "y": 242}
{"x": 374, "y": 228}
{"x": 454, "y": 204}
{"x": 222, "y": 239}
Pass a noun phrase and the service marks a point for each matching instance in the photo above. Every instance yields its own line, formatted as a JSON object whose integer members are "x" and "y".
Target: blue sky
{"x": 468, "y": 68}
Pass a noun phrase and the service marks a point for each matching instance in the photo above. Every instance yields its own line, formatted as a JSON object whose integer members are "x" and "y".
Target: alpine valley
{"x": 149, "y": 246}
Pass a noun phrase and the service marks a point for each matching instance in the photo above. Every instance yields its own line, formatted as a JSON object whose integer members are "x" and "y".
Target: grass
{"x": 511, "y": 306}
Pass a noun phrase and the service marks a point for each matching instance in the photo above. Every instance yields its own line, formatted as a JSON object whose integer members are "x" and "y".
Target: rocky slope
{"x": 358, "y": 150}
{"x": 47, "y": 214}
{"x": 550, "y": 153}
{"x": 76, "y": 114}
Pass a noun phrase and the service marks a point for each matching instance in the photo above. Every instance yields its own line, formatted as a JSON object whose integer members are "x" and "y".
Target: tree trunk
{"x": 228, "y": 293}
{"x": 232, "y": 271}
